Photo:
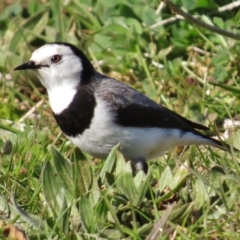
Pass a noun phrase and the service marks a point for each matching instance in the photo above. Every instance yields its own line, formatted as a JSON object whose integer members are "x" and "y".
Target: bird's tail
{"x": 222, "y": 145}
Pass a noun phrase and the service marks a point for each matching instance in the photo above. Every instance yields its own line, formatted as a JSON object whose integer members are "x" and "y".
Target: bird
{"x": 97, "y": 112}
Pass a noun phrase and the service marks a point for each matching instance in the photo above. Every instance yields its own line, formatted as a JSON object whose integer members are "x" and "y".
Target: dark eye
{"x": 56, "y": 58}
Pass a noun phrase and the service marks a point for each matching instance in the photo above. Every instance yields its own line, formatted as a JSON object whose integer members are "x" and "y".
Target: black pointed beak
{"x": 29, "y": 65}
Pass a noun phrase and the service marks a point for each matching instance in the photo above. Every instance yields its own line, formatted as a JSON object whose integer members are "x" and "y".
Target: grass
{"x": 51, "y": 190}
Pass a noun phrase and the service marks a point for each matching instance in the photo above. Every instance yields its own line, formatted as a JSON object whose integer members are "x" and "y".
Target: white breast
{"x": 61, "y": 96}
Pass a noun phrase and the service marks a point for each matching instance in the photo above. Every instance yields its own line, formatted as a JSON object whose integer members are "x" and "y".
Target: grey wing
{"x": 121, "y": 95}
{"x": 132, "y": 108}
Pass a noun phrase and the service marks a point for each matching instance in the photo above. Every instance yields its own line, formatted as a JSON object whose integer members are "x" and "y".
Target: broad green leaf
{"x": 120, "y": 163}
{"x": 101, "y": 212}
{"x": 149, "y": 16}
{"x": 166, "y": 178}
{"x": 63, "y": 169}
{"x": 219, "y": 213}
{"x": 134, "y": 25}
{"x": 82, "y": 176}
{"x": 200, "y": 194}
{"x": 111, "y": 233}
{"x": 64, "y": 217}
{"x": 179, "y": 177}
{"x": 113, "y": 213}
{"x": 53, "y": 189}
{"x": 139, "y": 179}
{"x": 142, "y": 190}
{"x": 125, "y": 184}
{"x": 177, "y": 181}
{"x": 116, "y": 28}
{"x": 110, "y": 4}
{"x": 219, "y": 22}
{"x": 14, "y": 8}
{"x": 87, "y": 214}
{"x": 189, "y": 5}
{"x": 236, "y": 138}
{"x": 110, "y": 162}
{"x": 208, "y": 4}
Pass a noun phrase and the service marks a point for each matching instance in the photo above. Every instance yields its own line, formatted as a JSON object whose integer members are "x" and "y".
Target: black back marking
{"x": 135, "y": 115}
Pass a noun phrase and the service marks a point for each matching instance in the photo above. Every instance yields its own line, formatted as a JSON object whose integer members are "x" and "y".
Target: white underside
{"x": 136, "y": 143}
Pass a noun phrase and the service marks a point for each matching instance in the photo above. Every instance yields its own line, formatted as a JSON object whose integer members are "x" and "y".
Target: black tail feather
{"x": 223, "y": 145}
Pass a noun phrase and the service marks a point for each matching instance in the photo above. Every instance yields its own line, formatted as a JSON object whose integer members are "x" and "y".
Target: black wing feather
{"x": 134, "y": 115}
{"x": 133, "y": 109}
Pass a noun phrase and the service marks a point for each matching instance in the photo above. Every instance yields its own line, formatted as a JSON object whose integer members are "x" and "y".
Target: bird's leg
{"x": 140, "y": 163}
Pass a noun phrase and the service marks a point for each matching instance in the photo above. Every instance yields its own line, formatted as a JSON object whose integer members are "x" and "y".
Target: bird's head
{"x": 61, "y": 68}
{"x": 59, "y": 64}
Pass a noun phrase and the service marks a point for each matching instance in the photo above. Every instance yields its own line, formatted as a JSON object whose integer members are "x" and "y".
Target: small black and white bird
{"x": 97, "y": 112}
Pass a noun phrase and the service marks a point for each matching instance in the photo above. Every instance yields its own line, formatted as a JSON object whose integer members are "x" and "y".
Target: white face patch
{"x": 68, "y": 69}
